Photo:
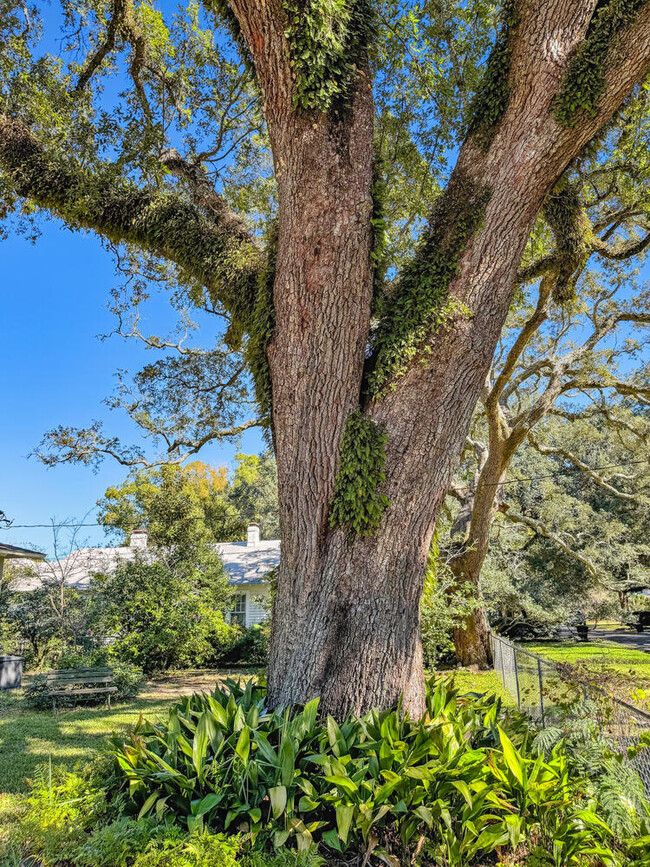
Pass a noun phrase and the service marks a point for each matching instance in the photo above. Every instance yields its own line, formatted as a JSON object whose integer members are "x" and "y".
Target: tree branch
{"x": 580, "y": 464}
{"x": 541, "y": 529}
{"x": 222, "y": 256}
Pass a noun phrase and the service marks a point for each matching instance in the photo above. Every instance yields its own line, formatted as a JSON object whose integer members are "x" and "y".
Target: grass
{"x": 29, "y": 737}
{"x": 480, "y": 681}
{"x": 600, "y": 651}
{"x": 621, "y": 671}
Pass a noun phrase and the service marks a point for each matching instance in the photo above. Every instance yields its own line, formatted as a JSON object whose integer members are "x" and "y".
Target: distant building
{"x": 12, "y": 552}
{"x": 247, "y": 564}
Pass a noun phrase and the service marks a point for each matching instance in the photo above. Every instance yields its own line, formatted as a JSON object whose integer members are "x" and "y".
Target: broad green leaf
{"x": 278, "y": 798}
{"x": 512, "y": 758}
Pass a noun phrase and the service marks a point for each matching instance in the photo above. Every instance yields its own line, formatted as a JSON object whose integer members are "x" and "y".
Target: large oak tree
{"x": 368, "y": 385}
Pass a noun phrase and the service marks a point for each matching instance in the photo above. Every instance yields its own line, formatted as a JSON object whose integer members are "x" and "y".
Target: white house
{"x": 13, "y": 552}
{"x": 247, "y": 564}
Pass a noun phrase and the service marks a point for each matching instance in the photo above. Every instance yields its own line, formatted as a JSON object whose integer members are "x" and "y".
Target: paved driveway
{"x": 627, "y": 637}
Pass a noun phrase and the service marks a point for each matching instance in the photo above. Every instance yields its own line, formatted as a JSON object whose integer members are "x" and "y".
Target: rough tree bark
{"x": 346, "y": 616}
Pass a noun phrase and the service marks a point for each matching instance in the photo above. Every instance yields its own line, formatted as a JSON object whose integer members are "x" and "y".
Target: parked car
{"x": 638, "y": 620}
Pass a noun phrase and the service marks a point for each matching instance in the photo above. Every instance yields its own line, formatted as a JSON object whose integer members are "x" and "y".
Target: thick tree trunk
{"x": 346, "y": 618}
{"x": 472, "y": 639}
{"x": 471, "y": 535}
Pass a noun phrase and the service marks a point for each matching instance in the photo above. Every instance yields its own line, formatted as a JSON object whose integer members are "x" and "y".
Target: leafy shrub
{"x": 38, "y": 693}
{"x": 59, "y": 811}
{"x": 146, "y": 843}
{"x": 162, "y": 616}
{"x": 128, "y": 679}
{"x": 249, "y": 648}
{"x": 594, "y": 754}
{"x": 282, "y": 858}
{"x": 466, "y": 778}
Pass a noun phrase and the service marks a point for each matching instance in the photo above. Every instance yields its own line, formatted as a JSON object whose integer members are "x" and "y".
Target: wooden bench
{"x": 75, "y": 683}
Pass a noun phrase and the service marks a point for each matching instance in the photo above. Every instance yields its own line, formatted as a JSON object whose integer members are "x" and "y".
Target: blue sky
{"x": 55, "y": 370}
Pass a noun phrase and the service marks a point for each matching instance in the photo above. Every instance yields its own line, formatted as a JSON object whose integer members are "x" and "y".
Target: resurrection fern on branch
{"x": 357, "y": 502}
{"x": 585, "y": 80}
{"x": 417, "y": 306}
{"x": 328, "y": 41}
{"x": 491, "y": 99}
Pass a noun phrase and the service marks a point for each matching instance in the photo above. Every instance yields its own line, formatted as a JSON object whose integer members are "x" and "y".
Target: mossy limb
{"x": 493, "y": 94}
{"x": 585, "y": 81}
{"x": 419, "y": 303}
{"x": 564, "y": 213}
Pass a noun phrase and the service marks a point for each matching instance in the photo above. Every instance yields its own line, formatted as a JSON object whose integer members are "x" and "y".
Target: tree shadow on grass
{"x": 28, "y": 738}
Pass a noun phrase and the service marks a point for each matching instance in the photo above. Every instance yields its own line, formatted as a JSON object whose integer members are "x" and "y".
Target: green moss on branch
{"x": 493, "y": 94}
{"x": 357, "y": 503}
{"x": 222, "y": 258}
{"x": 564, "y": 213}
{"x": 419, "y": 303}
{"x": 260, "y": 328}
{"x": 585, "y": 81}
{"x": 328, "y": 42}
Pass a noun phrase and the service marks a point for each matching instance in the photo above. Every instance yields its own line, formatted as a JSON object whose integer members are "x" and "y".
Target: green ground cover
{"x": 29, "y": 738}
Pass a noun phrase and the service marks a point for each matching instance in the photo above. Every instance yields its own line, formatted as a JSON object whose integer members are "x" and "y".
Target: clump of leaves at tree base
{"x": 462, "y": 782}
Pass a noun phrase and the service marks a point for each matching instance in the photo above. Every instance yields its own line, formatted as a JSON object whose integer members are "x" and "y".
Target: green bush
{"x": 249, "y": 648}
{"x": 115, "y": 844}
{"x": 162, "y": 617}
{"x": 128, "y": 679}
{"x": 464, "y": 781}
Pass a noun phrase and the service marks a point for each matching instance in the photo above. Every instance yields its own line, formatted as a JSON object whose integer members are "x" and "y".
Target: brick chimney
{"x": 253, "y": 536}
{"x": 138, "y": 539}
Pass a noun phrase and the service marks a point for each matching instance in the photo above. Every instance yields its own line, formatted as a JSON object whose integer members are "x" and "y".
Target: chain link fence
{"x": 551, "y": 698}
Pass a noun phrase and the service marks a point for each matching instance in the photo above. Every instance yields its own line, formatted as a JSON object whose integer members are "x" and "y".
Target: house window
{"x": 238, "y": 612}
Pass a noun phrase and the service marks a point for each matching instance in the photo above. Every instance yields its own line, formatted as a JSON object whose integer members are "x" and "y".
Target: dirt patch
{"x": 179, "y": 683}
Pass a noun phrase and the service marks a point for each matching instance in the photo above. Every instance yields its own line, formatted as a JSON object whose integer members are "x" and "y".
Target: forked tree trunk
{"x": 346, "y": 615}
{"x": 346, "y": 618}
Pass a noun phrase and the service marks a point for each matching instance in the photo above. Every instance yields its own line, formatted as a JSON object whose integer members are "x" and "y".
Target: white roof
{"x": 248, "y": 564}
{"x": 244, "y": 563}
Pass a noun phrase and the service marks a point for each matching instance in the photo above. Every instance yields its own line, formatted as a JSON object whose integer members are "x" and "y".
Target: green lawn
{"x": 621, "y": 671}
{"x": 600, "y": 651}
{"x": 480, "y": 681}
{"x": 28, "y": 738}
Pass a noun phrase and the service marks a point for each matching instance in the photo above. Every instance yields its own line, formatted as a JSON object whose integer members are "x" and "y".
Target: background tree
{"x": 565, "y": 541}
{"x": 368, "y": 385}
{"x": 565, "y": 353}
{"x": 253, "y": 493}
{"x": 194, "y": 504}
{"x": 180, "y": 506}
